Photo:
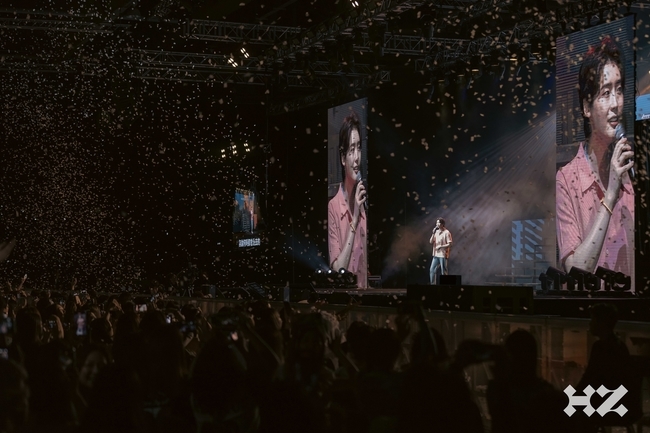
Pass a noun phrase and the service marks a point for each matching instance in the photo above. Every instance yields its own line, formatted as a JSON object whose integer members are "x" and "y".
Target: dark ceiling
{"x": 300, "y": 52}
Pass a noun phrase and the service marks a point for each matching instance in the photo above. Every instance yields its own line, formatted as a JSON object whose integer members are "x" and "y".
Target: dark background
{"x": 114, "y": 179}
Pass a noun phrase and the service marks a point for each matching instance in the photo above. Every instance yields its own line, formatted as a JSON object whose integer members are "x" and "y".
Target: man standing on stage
{"x": 441, "y": 241}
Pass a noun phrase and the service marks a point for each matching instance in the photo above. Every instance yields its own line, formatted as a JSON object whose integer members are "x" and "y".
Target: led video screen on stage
{"x": 347, "y": 189}
{"x": 595, "y": 89}
{"x": 245, "y": 218}
{"x": 642, "y": 64}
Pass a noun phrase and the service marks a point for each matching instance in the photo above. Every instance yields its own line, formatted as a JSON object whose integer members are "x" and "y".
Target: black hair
{"x": 350, "y": 123}
{"x": 591, "y": 71}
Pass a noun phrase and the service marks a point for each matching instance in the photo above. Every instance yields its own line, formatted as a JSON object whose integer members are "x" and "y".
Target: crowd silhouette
{"x": 86, "y": 362}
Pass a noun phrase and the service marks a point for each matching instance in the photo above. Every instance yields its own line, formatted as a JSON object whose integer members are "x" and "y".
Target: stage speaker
{"x": 256, "y": 290}
{"x": 450, "y": 280}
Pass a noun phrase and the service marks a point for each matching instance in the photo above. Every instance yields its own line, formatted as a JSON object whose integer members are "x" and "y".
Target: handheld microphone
{"x": 619, "y": 133}
{"x": 365, "y": 203}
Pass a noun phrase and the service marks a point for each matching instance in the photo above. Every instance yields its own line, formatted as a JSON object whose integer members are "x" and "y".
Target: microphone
{"x": 619, "y": 133}
{"x": 365, "y": 203}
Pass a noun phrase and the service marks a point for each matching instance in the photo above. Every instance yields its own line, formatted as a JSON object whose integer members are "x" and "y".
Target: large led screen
{"x": 594, "y": 181}
{"x": 347, "y": 219}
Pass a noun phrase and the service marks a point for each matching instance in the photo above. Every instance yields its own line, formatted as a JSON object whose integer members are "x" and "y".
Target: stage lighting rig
{"x": 586, "y": 280}
{"x": 347, "y": 278}
{"x": 614, "y": 280}
{"x": 328, "y": 278}
{"x": 558, "y": 278}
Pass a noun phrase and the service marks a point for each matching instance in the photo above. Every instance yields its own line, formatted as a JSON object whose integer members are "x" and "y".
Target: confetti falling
{"x": 113, "y": 175}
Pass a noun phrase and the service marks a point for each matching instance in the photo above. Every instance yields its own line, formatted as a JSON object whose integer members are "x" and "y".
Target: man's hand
{"x": 621, "y": 162}
{"x": 360, "y": 197}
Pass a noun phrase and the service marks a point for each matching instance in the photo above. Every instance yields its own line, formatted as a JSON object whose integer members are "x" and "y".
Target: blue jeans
{"x": 436, "y": 264}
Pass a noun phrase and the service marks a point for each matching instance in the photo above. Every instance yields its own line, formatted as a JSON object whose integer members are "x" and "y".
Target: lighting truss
{"x": 442, "y": 53}
{"x": 54, "y": 21}
{"x": 223, "y": 31}
{"x": 330, "y": 93}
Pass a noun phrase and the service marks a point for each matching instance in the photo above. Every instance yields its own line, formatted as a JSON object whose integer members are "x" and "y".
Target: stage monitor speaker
{"x": 450, "y": 280}
{"x": 256, "y": 290}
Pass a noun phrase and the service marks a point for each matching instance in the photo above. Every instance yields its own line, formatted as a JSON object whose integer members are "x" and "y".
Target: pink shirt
{"x": 578, "y": 193}
{"x": 338, "y": 225}
{"x": 441, "y": 237}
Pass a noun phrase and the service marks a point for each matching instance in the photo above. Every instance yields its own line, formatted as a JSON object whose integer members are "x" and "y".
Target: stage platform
{"x": 490, "y": 299}
{"x": 493, "y": 299}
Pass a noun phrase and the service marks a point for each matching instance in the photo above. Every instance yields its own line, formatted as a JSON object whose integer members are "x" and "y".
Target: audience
{"x": 611, "y": 366}
{"x": 518, "y": 400}
{"x": 151, "y": 365}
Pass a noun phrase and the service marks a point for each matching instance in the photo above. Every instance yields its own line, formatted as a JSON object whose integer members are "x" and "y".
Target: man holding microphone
{"x": 441, "y": 241}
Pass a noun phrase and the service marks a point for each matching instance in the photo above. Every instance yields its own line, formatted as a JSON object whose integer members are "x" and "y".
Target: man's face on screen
{"x": 605, "y": 112}
{"x": 352, "y": 157}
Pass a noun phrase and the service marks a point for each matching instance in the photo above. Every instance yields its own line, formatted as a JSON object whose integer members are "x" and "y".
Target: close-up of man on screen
{"x": 594, "y": 192}
{"x": 346, "y": 219}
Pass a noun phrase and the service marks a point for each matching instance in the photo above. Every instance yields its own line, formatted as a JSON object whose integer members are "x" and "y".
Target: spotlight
{"x": 544, "y": 279}
{"x": 614, "y": 280}
{"x": 558, "y": 278}
{"x": 586, "y": 280}
{"x": 347, "y": 278}
{"x": 232, "y": 62}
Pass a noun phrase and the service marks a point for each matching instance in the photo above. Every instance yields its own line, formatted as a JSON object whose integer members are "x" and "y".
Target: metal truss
{"x": 161, "y": 65}
{"x": 442, "y": 54}
{"x": 53, "y": 21}
{"x": 330, "y": 93}
{"x": 342, "y": 24}
{"x": 223, "y": 31}
{"x": 241, "y": 63}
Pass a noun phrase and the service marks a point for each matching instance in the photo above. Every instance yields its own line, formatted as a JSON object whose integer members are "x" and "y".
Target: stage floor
{"x": 494, "y": 299}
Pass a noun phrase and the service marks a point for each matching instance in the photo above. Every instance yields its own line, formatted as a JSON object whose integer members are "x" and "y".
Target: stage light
{"x": 614, "y": 280}
{"x": 347, "y": 278}
{"x": 558, "y": 278}
{"x": 354, "y": 3}
{"x": 544, "y": 279}
{"x": 586, "y": 280}
{"x": 232, "y": 62}
{"x": 244, "y": 53}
